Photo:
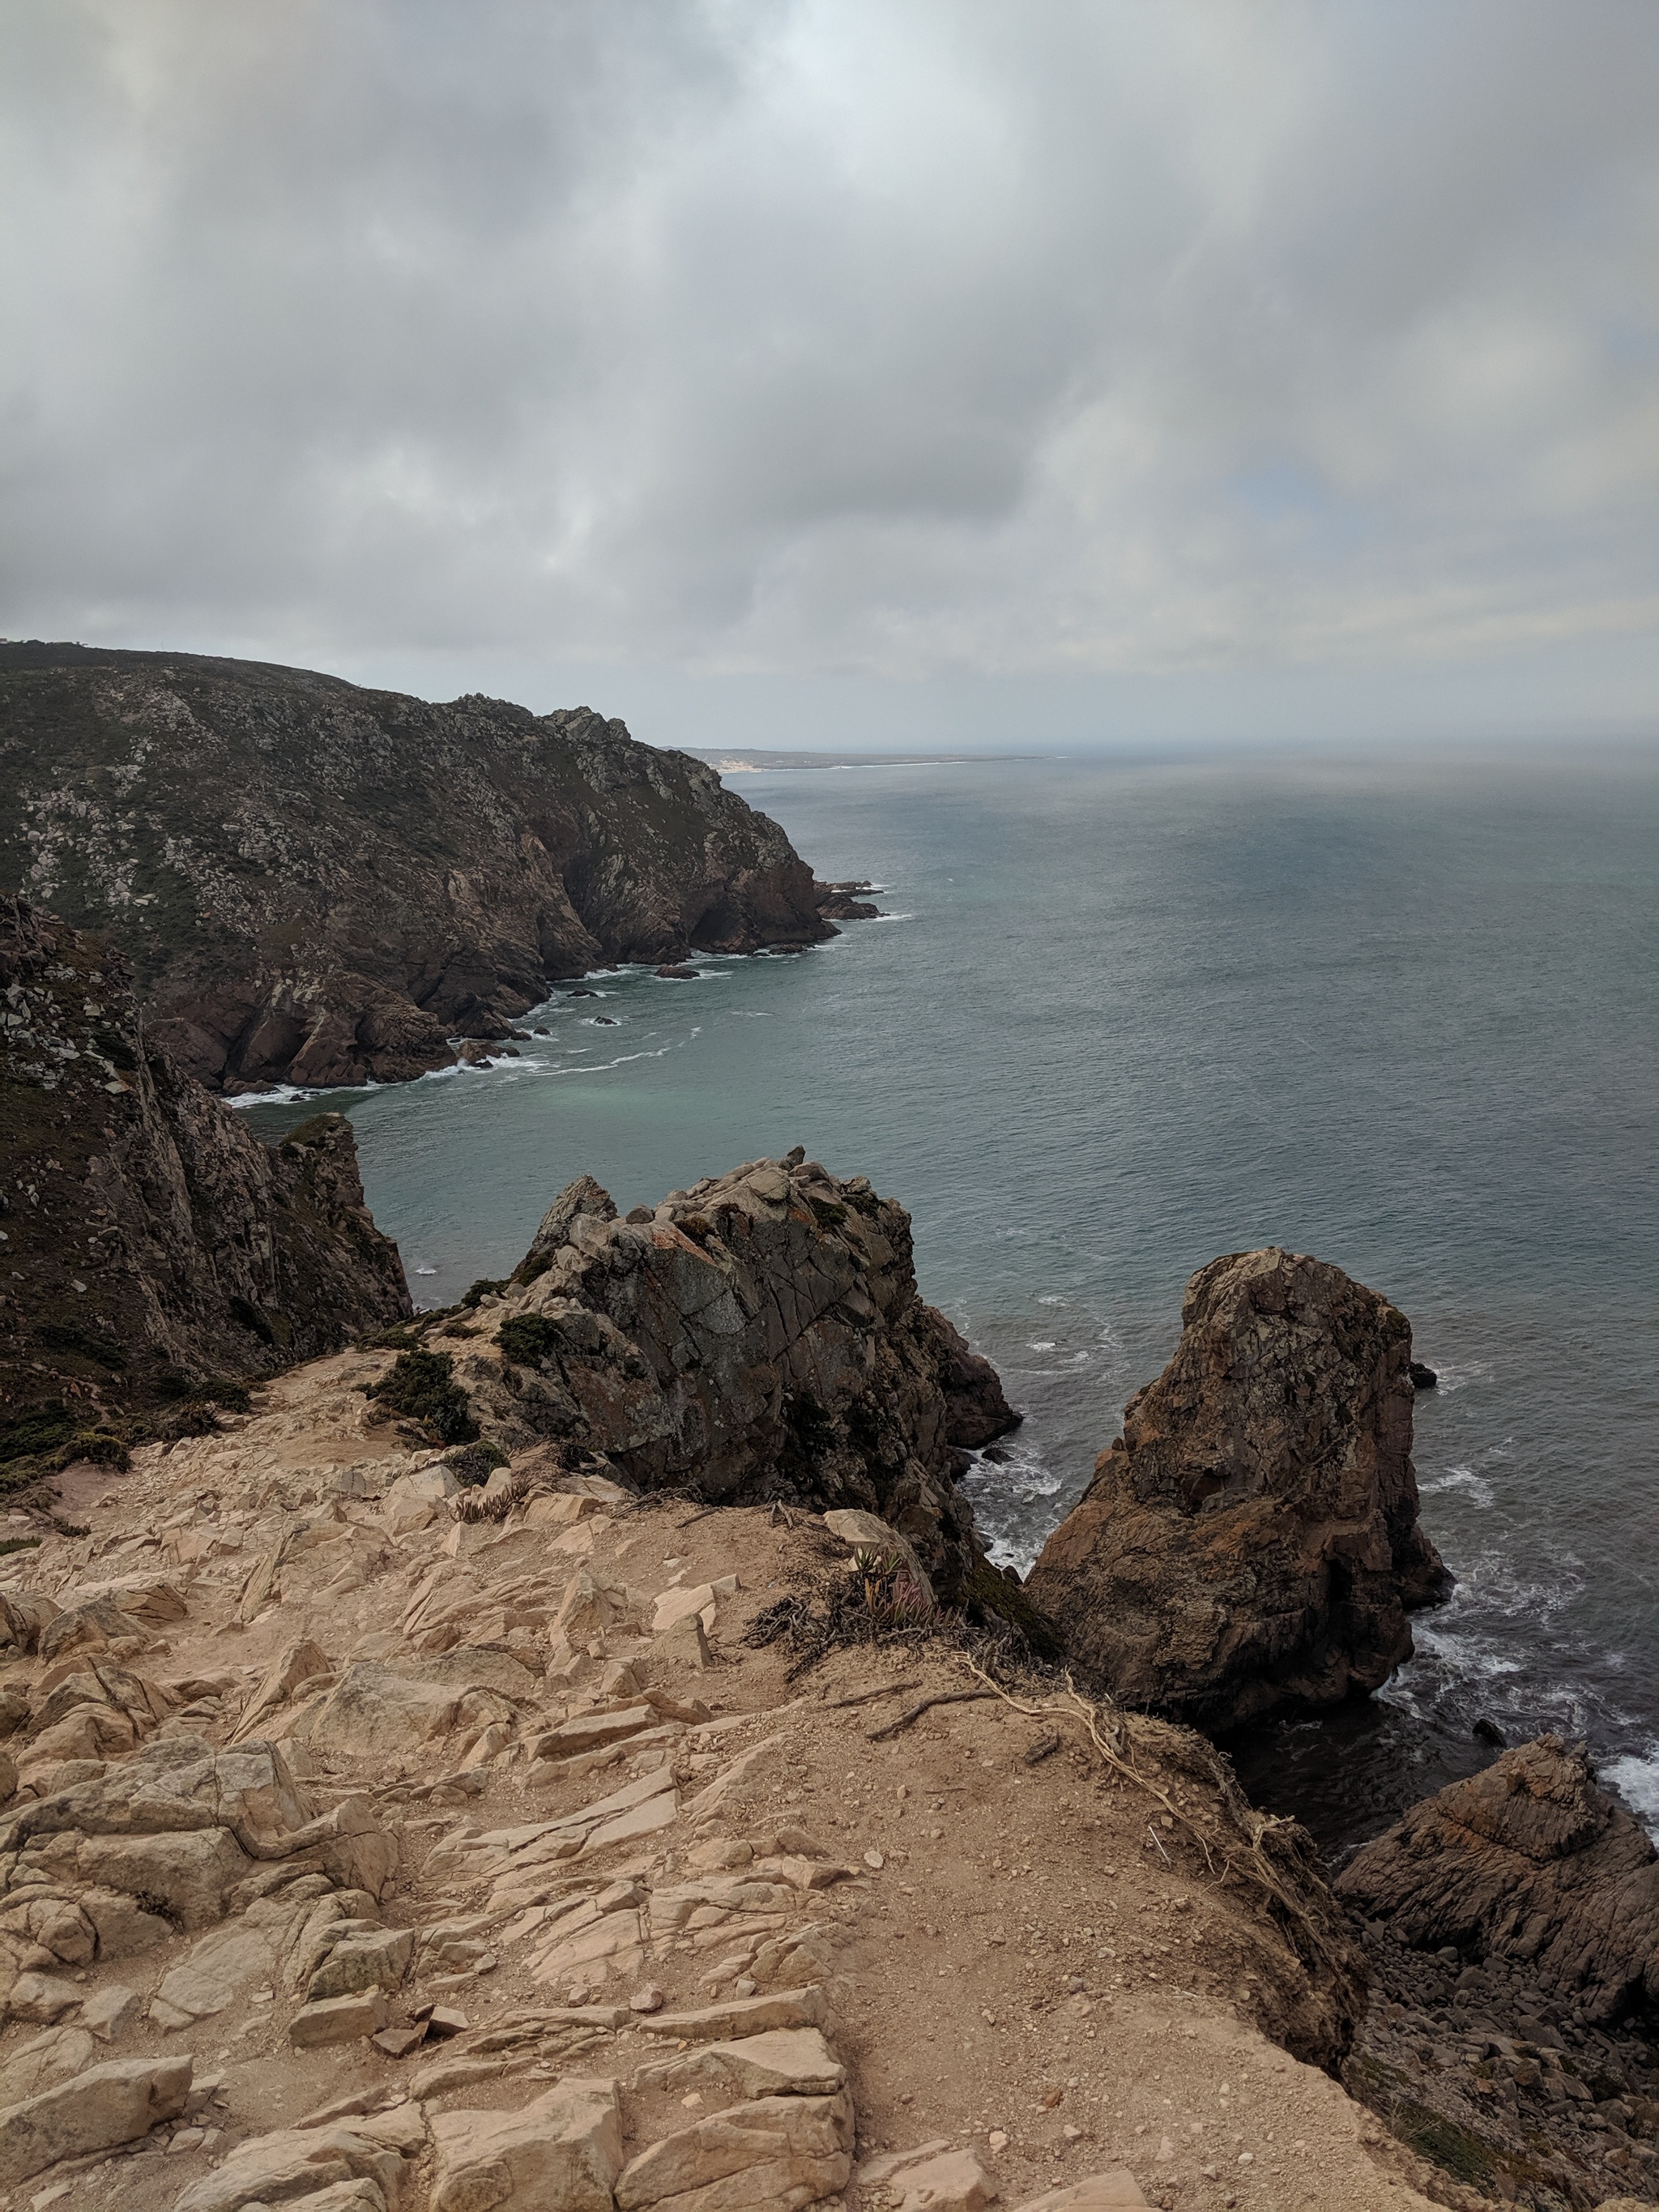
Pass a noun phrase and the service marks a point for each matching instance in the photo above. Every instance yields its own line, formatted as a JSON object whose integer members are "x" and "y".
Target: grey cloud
{"x": 894, "y": 337}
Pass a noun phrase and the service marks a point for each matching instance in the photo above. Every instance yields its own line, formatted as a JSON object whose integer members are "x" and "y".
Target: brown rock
{"x": 93, "y": 2111}
{"x": 1251, "y": 1541}
{"x": 1532, "y": 1862}
{"x": 564, "y": 2149}
{"x": 166, "y": 1244}
{"x": 760, "y": 1336}
{"x": 773, "y": 2154}
{"x": 338, "y": 2020}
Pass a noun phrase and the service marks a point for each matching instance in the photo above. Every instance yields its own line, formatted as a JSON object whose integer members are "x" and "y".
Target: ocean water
{"x": 1120, "y": 1017}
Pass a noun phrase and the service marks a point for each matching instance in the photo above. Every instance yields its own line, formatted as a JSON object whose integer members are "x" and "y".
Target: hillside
{"x": 154, "y": 1256}
{"x": 317, "y": 883}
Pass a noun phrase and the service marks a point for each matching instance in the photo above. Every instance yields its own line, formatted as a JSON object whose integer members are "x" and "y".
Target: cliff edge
{"x": 152, "y": 1252}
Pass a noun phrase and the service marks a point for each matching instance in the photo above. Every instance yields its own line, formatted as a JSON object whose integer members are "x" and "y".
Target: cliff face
{"x": 1250, "y": 1542}
{"x": 757, "y": 1337}
{"x": 150, "y": 1244}
{"x": 322, "y": 884}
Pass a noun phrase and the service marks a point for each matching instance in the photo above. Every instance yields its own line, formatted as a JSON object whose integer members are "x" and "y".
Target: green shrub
{"x": 474, "y": 1464}
{"x": 527, "y": 1339}
{"x": 421, "y": 1386}
{"x": 487, "y": 1286}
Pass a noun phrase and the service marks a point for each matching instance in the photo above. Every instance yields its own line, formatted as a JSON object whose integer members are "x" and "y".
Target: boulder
{"x": 564, "y": 2150}
{"x": 1530, "y": 1862}
{"x": 786, "y": 2062}
{"x": 1250, "y": 1542}
{"x": 338, "y": 2020}
{"x": 772, "y": 2155}
{"x": 302, "y": 2162}
{"x": 93, "y": 2111}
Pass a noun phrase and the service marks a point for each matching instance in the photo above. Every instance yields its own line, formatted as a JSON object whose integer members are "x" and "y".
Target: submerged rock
{"x": 1529, "y": 1861}
{"x": 1251, "y": 1542}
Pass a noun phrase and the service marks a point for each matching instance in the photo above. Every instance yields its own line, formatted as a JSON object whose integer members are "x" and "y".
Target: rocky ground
{"x": 1513, "y": 1921}
{"x": 379, "y": 1839}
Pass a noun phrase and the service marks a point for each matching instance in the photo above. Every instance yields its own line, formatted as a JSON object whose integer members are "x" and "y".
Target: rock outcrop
{"x": 321, "y": 884}
{"x": 1532, "y": 1862}
{"x": 1250, "y": 1543}
{"x": 757, "y": 1337}
{"x": 1512, "y": 1923}
{"x": 151, "y": 1248}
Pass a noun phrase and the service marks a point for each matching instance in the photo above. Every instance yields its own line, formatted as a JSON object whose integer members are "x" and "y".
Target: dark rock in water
{"x": 759, "y": 1336}
{"x": 1423, "y": 1378}
{"x": 1250, "y": 1543}
{"x": 838, "y": 903}
{"x": 677, "y": 972}
{"x": 605, "y": 1022}
{"x": 581, "y": 994}
{"x": 1489, "y": 1732}
{"x": 339, "y": 880}
{"x": 1529, "y": 1863}
{"x": 975, "y": 1407}
{"x": 474, "y": 1053}
{"x": 165, "y": 1252}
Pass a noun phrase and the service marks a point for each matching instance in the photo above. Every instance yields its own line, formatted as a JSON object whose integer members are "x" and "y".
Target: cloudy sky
{"x": 884, "y": 372}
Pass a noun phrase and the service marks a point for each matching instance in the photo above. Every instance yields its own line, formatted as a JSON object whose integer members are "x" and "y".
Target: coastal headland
{"x": 572, "y": 1748}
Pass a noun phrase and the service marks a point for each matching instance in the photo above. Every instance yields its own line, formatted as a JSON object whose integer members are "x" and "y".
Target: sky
{"x": 886, "y": 373}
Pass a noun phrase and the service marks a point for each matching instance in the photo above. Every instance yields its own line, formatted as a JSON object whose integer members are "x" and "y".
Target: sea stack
{"x": 1250, "y": 1543}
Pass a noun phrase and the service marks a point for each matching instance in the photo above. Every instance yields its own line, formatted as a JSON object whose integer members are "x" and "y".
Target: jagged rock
{"x": 772, "y": 2155}
{"x": 468, "y": 855}
{"x": 302, "y": 2162}
{"x": 741, "y": 2017}
{"x": 93, "y": 2111}
{"x": 760, "y": 1336}
{"x": 165, "y": 1246}
{"x": 1251, "y": 1542}
{"x": 786, "y": 2062}
{"x": 1531, "y": 1862}
{"x": 564, "y": 2149}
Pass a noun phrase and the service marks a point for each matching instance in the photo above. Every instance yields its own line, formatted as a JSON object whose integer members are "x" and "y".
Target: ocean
{"x": 1120, "y": 1016}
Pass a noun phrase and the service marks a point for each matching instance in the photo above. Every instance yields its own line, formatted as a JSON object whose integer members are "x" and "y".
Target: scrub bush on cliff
{"x": 421, "y": 1386}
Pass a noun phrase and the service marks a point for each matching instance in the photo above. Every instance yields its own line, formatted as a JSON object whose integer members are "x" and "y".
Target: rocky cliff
{"x": 1250, "y": 1543}
{"x": 1513, "y": 1925}
{"x": 757, "y": 1337}
{"x": 150, "y": 1247}
{"x": 321, "y": 884}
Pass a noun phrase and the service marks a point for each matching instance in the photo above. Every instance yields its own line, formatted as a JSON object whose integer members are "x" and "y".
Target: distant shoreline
{"x": 747, "y": 760}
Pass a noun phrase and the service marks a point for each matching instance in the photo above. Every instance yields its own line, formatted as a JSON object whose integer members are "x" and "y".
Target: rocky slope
{"x": 378, "y": 1841}
{"x": 321, "y": 884}
{"x": 152, "y": 1252}
{"x": 1250, "y": 1542}
{"x": 759, "y": 1337}
{"x": 1514, "y": 1927}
